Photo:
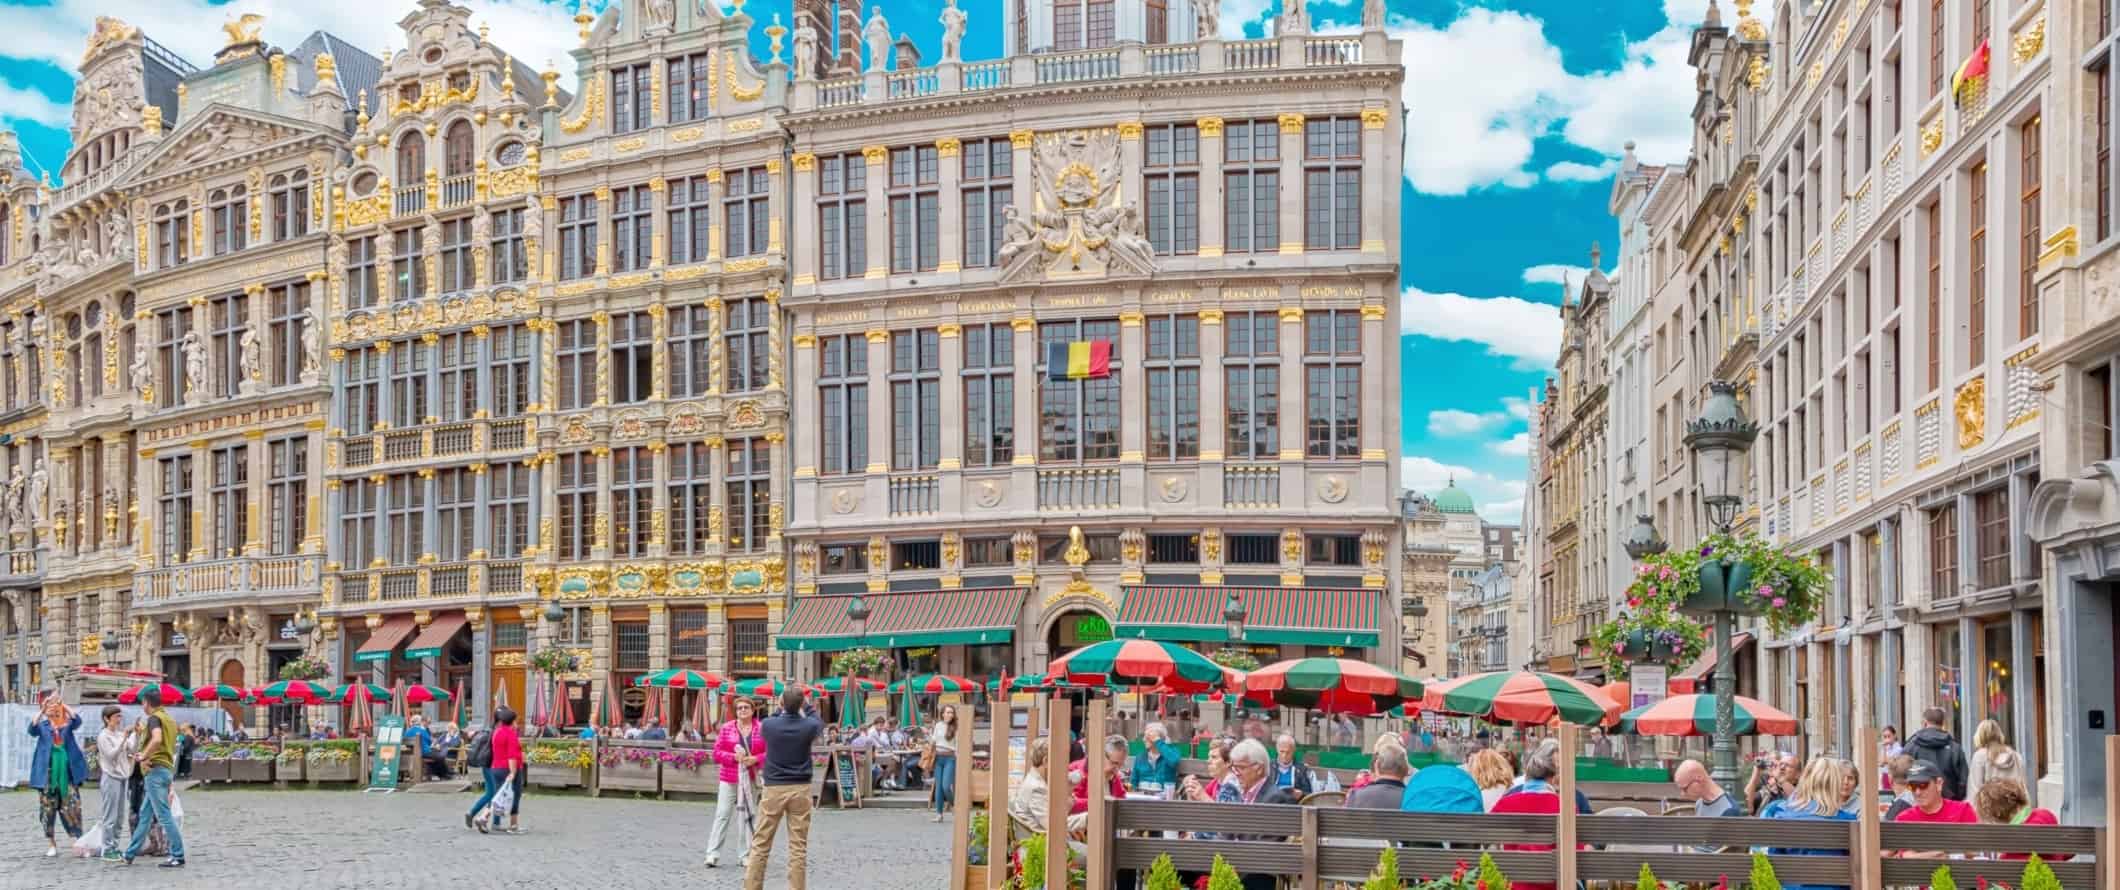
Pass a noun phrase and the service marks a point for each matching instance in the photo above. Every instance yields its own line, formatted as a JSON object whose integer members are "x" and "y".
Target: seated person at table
{"x": 1386, "y": 788}
{"x": 1156, "y": 770}
{"x": 1931, "y": 806}
{"x": 1114, "y": 774}
{"x": 1290, "y": 772}
{"x": 2004, "y": 801}
{"x": 1816, "y": 797}
{"x": 1206, "y": 789}
{"x": 1028, "y": 805}
{"x": 421, "y": 741}
{"x": 1535, "y": 797}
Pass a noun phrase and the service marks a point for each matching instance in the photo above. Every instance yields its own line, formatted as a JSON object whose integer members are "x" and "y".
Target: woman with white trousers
{"x": 737, "y": 749}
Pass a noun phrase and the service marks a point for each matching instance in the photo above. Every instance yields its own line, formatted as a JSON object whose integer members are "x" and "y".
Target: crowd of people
{"x": 137, "y": 766}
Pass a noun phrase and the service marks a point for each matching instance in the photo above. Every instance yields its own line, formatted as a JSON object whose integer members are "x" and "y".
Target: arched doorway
{"x": 232, "y": 674}
{"x": 1073, "y": 629}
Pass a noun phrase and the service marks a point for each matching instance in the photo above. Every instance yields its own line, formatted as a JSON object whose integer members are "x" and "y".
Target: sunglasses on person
{"x": 1917, "y": 786}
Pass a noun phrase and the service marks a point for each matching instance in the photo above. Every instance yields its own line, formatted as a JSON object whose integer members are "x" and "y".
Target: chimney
{"x": 907, "y": 58}
{"x": 848, "y": 62}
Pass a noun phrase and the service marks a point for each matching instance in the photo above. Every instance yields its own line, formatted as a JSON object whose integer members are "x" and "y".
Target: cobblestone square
{"x": 343, "y": 839}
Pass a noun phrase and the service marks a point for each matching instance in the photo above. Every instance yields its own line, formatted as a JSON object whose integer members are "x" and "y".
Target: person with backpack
{"x": 499, "y": 754}
{"x": 157, "y": 759}
{"x": 1934, "y": 746}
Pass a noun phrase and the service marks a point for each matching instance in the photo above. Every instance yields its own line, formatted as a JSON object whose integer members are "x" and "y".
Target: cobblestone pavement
{"x": 299, "y": 840}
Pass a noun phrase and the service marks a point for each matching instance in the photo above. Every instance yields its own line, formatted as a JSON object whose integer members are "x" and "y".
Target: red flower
{"x": 1983, "y": 884}
{"x": 1723, "y": 883}
{"x": 1200, "y": 883}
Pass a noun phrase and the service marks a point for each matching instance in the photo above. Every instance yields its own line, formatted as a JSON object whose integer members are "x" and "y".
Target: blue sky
{"x": 1518, "y": 113}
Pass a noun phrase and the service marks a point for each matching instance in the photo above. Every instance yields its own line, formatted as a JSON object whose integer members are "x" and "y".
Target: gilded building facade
{"x": 1573, "y": 576}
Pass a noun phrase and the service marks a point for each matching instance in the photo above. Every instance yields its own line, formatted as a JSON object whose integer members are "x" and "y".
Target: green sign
{"x": 1092, "y": 629}
{"x": 389, "y": 738}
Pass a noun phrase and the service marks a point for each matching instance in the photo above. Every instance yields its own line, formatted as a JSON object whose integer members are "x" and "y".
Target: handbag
{"x": 927, "y": 758}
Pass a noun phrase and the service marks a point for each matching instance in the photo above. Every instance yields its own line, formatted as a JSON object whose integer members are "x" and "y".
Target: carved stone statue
{"x": 143, "y": 367}
{"x": 1015, "y": 235}
{"x": 1120, "y": 227}
{"x": 40, "y": 483}
{"x": 877, "y": 34}
{"x": 194, "y": 367}
{"x": 661, "y": 16}
{"x": 1372, "y": 15}
{"x": 1080, "y": 227}
{"x": 1295, "y": 18}
{"x": 17, "y": 495}
{"x": 312, "y": 345}
{"x": 805, "y": 50}
{"x": 253, "y": 358}
{"x": 952, "y": 32}
{"x": 116, "y": 238}
{"x": 1209, "y": 15}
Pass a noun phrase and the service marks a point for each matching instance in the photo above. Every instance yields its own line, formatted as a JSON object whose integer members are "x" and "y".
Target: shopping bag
{"x": 502, "y": 801}
{"x": 89, "y": 843}
{"x": 176, "y": 809}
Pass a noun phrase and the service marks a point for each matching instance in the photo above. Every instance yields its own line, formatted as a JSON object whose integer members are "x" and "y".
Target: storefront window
{"x": 689, "y": 633}
{"x": 1950, "y": 677}
{"x": 1998, "y": 694}
{"x": 632, "y": 644}
{"x": 747, "y": 647}
{"x": 920, "y": 660}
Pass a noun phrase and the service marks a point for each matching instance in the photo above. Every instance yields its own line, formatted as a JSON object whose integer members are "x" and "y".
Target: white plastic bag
{"x": 89, "y": 843}
{"x": 176, "y": 809}
{"x": 1331, "y": 783}
{"x": 502, "y": 800}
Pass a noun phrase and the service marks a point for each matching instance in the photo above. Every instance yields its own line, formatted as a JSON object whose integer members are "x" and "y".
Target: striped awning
{"x": 386, "y": 638}
{"x": 436, "y": 636}
{"x": 1314, "y": 616}
{"x": 913, "y": 618}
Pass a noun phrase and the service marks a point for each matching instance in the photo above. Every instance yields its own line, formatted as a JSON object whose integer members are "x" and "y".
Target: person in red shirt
{"x": 2005, "y": 802}
{"x": 1536, "y": 796}
{"x": 1930, "y": 805}
{"x": 506, "y": 769}
{"x": 1114, "y": 773}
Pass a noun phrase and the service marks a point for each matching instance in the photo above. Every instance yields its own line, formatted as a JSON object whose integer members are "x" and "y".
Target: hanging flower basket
{"x": 1235, "y": 659}
{"x": 1745, "y": 576}
{"x": 554, "y": 661}
{"x": 307, "y": 667}
{"x": 865, "y": 662}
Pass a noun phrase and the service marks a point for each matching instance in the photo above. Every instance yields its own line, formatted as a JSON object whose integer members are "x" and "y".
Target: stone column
{"x": 801, "y": 195}
{"x": 313, "y": 489}
{"x": 481, "y": 690}
{"x": 658, "y": 636}
{"x": 1292, "y": 197}
{"x": 1293, "y": 402}
{"x": 659, "y": 352}
{"x": 879, "y": 225}
{"x": 1022, "y": 492}
{"x": 1132, "y": 351}
{"x": 603, "y": 353}
{"x": 603, "y": 248}
{"x": 1378, "y": 177}
{"x": 952, "y": 340}
{"x": 717, "y": 494}
{"x": 1212, "y": 201}
{"x": 602, "y": 655}
{"x": 805, "y": 410}
{"x": 716, "y": 351}
{"x": 600, "y": 541}
{"x": 949, "y": 148}
{"x": 776, "y": 205}
{"x": 1214, "y": 412}
{"x": 256, "y": 452}
{"x": 481, "y": 518}
{"x": 877, "y": 481}
{"x": 430, "y": 530}
{"x": 201, "y": 476}
{"x": 659, "y": 500}
{"x": 1377, "y": 404}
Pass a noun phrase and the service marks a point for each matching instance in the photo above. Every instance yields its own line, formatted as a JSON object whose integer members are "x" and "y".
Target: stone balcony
{"x": 418, "y": 445}
{"x": 242, "y": 579}
{"x": 468, "y": 582}
{"x": 22, "y": 566}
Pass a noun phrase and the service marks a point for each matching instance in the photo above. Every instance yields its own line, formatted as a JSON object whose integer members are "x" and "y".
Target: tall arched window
{"x": 172, "y": 233}
{"x": 457, "y": 153}
{"x": 76, "y": 367}
{"x": 411, "y": 160}
{"x": 90, "y": 363}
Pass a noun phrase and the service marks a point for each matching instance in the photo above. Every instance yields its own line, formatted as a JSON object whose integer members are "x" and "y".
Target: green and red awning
{"x": 912, "y": 618}
{"x": 385, "y": 640}
{"x": 1307, "y": 616}
{"x": 1337, "y": 685}
{"x": 1694, "y": 715}
{"x": 436, "y": 636}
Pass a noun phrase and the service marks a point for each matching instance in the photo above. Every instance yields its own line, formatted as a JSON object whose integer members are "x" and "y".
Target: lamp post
{"x": 858, "y": 615}
{"x": 1643, "y": 541}
{"x": 1233, "y": 615}
{"x": 1719, "y": 439}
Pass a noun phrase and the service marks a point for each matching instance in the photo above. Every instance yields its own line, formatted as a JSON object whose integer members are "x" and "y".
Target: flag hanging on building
{"x": 1971, "y": 76}
{"x": 1078, "y": 360}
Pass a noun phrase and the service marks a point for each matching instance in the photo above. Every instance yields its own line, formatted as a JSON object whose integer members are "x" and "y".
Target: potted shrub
{"x": 1652, "y": 632}
{"x": 865, "y": 662}
{"x": 209, "y": 762}
{"x": 558, "y": 763}
{"x": 689, "y": 771}
{"x": 287, "y": 765}
{"x": 333, "y": 760}
{"x": 307, "y": 667}
{"x": 629, "y": 767}
{"x": 975, "y": 854}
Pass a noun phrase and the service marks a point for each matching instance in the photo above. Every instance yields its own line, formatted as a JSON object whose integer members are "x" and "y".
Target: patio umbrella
{"x": 169, "y": 693}
{"x": 356, "y": 693}
{"x": 934, "y": 684}
{"x": 421, "y": 693}
{"x": 1694, "y": 715}
{"x": 1520, "y": 697}
{"x": 837, "y": 685}
{"x": 294, "y": 692}
{"x": 679, "y": 678}
{"x": 1333, "y": 685}
{"x": 607, "y": 708}
{"x": 765, "y": 687}
{"x": 456, "y": 704}
{"x": 1140, "y": 663}
{"x": 221, "y": 692}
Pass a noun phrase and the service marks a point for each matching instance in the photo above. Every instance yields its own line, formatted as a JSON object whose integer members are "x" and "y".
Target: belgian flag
{"x": 1971, "y": 76}
{"x": 1078, "y": 360}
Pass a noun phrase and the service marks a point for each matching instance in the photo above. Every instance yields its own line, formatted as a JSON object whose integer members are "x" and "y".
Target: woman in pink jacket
{"x": 737, "y": 749}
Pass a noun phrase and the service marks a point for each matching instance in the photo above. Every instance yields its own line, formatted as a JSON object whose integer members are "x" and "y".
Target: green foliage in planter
{"x": 976, "y": 854}
{"x": 865, "y": 662}
{"x": 554, "y": 660}
{"x": 307, "y": 667}
{"x": 1386, "y": 875}
{"x": 1763, "y": 873}
{"x": 1654, "y": 614}
{"x": 1646, "y": 880}
{"x": 1235, "y": 659}
{"x": 2038, "y": 876}
{"x": 1939, "y": 880}
{"x": 1223, "y": 877}
{"x": 564, "y": 755}
{"x": 333, "y": 750}
{"x": 1164, "y": 876}
{"x": 1491, "y": 876}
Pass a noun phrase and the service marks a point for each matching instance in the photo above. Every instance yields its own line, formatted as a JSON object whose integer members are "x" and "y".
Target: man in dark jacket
{"x": 1289, "y": 770}
{"x": 789, "y": 736}
{"x": 1387, "y": 787}
{"x": 1933, "y": 745}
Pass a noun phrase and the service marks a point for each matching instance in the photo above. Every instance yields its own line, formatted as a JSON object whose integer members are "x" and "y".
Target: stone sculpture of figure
{"x": 877, "y": 34}
{"x": 952, "y": 32}
{"x": 1121, "y": 228}
{"x": 1209, "y": 14}
{"x": 312, "y": 345}
{"x": 115, "y": 236}
{"x": 662, "y": 15}
{"x": 40, "y": 485}
{"x": 17, "y": 491}
{"x": 1295, "y": 19}
{"x": 253, "y": 357}
{"x": 194, "y": 367}
{"x": 1015, "y": 235}
{"x": 143, "y": 367}
{"x": 805, "y": 50}
{"x": 1372, "y": 15}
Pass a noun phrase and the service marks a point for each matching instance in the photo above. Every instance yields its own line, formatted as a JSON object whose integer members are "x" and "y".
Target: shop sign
{"x": 1092, "y": 629}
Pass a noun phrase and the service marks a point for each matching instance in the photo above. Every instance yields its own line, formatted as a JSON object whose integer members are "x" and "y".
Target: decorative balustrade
{"x": 1182, "y": 59}
{"x": 401, "y": 445}
{"x": 25, "y": 563}
{"x": 914, "y": 495}
{"x": 1842, "y": 489}
{"x": 1865, "y": 471}
{"x": 1326, "y": 51}
{"x": 504, "y": 578}
{"x": 912, "y": 84}
{"x": 409, "y": 200}
{"x": 1072, "y": 489}
{"x": 508, "y": 435}
{"x": 1840, "y": 234}
{"x": 1102, "y": 64}
{"x": 835, "y": 93}
{"x": 1928, "y": 435}
{"x": 986, "y": 75}
{"x": 1818, "y": 500}
{"x": 452, "y": 439}
{"x": 459, "y": 190}
{"x": 2020, "y": 403}
{"x": 1888, "y": 453}
{"x": 236, "y": 578}
{"x": 1251, "y": 55}
{"x": 1817, "y": 270}
{"x": 1251, "y": 486}
{"x": 399, "y": 584}
{"x": 359, "y": 452}
{"x": 1894, "y": 176}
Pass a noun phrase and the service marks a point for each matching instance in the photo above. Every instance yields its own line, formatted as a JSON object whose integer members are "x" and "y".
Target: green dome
{"x": 1453, "y": 499}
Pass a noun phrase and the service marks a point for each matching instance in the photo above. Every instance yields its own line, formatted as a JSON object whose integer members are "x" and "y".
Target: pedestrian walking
{"x": 158, "y": 755}
{"x": 1992, "y": 759}
{"x": 944, "y": 740}
{"x": 789, "y": 736}
{"x": 1933, "y": 745}
{"x": 56, "y": 770}
{"x": 737, "y": 750}
{"x": 114, "y": 753}
{"x": 503, "y": 764}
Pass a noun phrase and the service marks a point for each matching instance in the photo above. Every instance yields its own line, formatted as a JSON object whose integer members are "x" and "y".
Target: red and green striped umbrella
{"x": 1521, "y": 697}
{"x": 293, "y": 692}
{"x": 421, "y": 693}
{"x": 1335, "y": 685}
{"x": 358, "y": 692}
{"x": 169, "y": 693}
{"x": 761, "y": 687}
{"x": 1694, "y": 715}
{"x": 220, "y": 692}
{"x": 837, "y": 685}
{"x": 934, "y": 684}
{"x": 679, "y": 678}
{"x": 1141, "y": 663}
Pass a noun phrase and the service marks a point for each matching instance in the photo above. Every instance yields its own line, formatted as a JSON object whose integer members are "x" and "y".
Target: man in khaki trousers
{"x": 788, "y": 736}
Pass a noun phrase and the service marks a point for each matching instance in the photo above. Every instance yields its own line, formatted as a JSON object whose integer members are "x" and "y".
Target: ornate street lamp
{"x": 1642, "y": 541}
{"x": 1719, "y": 439}
{"x": 554, "y": 613}
{"x": 1233, "y": 616}
{"x": 858, "y": 613}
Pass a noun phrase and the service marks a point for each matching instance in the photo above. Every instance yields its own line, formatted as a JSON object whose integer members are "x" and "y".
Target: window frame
{"x": 913, "y": 208}
{"x": 1167, "y": 411}
{"x": 1170, "y": 167}
{"x": 986, "y": 178}
{"x": 847, "y": 378}
{"x": 1337, "y": 362}
{"x": 989, "y": 381}
{"x": 1074, "y": 398}
{"x": 746, "y": 195}
{"x": 1343, "y": 179}
{"x": 1261, "y": 207}
{"x": 632, "y": 228}
{"x": 915, "y": 379}
{"x": 752, "y": 477}
{"x": 842, "y": 243}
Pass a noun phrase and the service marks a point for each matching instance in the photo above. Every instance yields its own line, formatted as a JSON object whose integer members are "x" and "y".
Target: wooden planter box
{"x": 209, "y": 769}
{"x": 975, "y": 877}
{"x": 982, "y": 785}
{"x": 644, "y": 775}
{"x": 557, "y": 776}
{"x": 348, "y": 770}
{"x": 250, "y": 769}
{"x": 704, "y": 780}
{"x": 289, "y": 770}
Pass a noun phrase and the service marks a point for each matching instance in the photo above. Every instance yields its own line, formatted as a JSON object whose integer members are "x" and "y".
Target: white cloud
{"x": 27, "y": 104}
{"x": 1518, "y": 445}
{"x": 1517, "y": 408}
{"x": 1570, "y": 171}
{"x": 1452, "y": 422}
{"x": 1428, "y": 475}
{"x": 1556, "y": 273}
{"x": 1236, "y": 14}
{"x": 1513, "y": 327}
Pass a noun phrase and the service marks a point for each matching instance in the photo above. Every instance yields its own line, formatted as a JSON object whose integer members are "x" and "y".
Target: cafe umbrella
{"x": 294, "y": 692}
{"x": 764, "y": 687}
{"x": 1332, "y": 685}
{"x": 850, "y": 711}
{"x": 221, "y": 692}
{"x": 421, "y": 693}
{"x": 1520, "y": 697}
{"x": 1694, "y": 715}
{"x": 167, "y": 693}
{"x": 1141, "y": 663}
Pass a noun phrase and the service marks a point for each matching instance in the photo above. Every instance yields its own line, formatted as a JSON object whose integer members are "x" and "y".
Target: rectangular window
{"x": 1332, "y": 365}
{"x": 1943, "y": 553}
{"x": 1981, "y": 24}
{"x": 916, "y": 399}
{"x": 577, "y": 363}
{"x": 360, "y": 273}
{"x": 2098, "y": 406}
{"x": 286, "y": 312}
{"x": 632, "y": 500}
{"x": 691, "y": 497}
{"x": 1171, "y": 180}
{"x": 1332, "y": 184}
{"x": 1937, "y": 72}
{"x": 2028, "y": 244}
{"x": 630, "y": 95}
{"x": 1251, "y": 368}
{"x": 1335, "y": 550}
{"x": 843, "y": 403}
{"x": 986, "y": 182}
{"x": 577, "y": 236}
{"x": 1976, "y": 268}
{"x": 287, "y": 493}
{"x": 750, "y": 494}
{"x": 361, "y": 398}
{"x": 1933, "y": 321}
{"x": 842, "y": 559}
{"x": 842, "y": 216}
{"x": 691, "y": 219}
{"x": 2102, "y": 150}
{"x": 632, "y": 357}
{"x": 408, "y": 275}
{"x": 1173, "y": 365}
{"x": 1181, "y": 549}
{"x": 1254, "y": 549}
{"x": 632, "y": 228}
{"x": 1251, "y": 186}
{"x": 747, "y": 647}
{"x": 229, "y": 493}
{"x": 690, "y": 633}
{"x": 631, "y": 638}
{"x": 989, "y": 395}
{"x": 172, "y": 234}
{"x": 356, "y": 523}
{"x": 290, "y": 205}
{"x": 916, "y": 209}
{"x": 510, "y": 367}
{"x": 458, "y": 274}
{"x": 745, "y": 349}
{"x": 455, "y": 512}
{"x": 229, "y": 317}
{"x": 508, "y": 495}
{"x": 405, "y": 518}
{"x": 987, "y": 552}
{"x": 509, "y": 257}
{"x": 1991, "y": 520}
{"x": 577, "y": 504}
{"x": 456, "y": 363}
{"x": 230, "y": 210}
{"x": 745, "y": 212}
{"x": 409, "y": 361}
{"x": 1079, "y": 419}
{"x": 691, "y": 351}
{"x": 690, "y": 81}
{"x": 916, "y": 556}
{"x": 175, "y": 507}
